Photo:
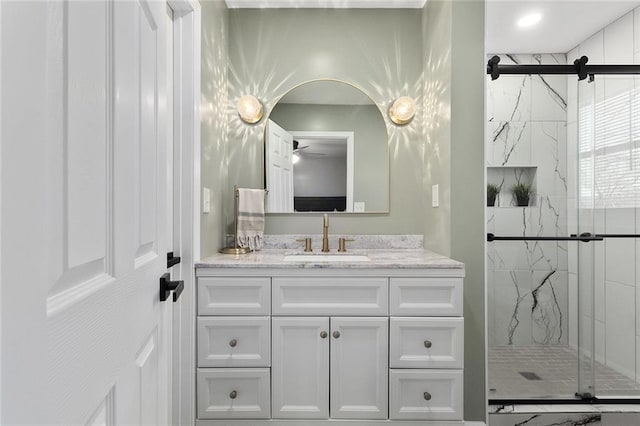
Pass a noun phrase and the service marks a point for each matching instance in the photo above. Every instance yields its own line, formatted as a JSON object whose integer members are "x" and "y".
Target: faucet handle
{"x": 342, "y": 246}
{"x": 307, "y": 244}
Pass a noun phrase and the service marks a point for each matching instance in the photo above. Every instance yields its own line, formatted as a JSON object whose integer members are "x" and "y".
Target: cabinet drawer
{"x": 426, "y": 296}
{"x": 233, "y": 393}
{"x": 425, "y": 395}
{"x": 234, "y": 296}
{"x": 234, "y": 342}
{"x": 365, "y": 296}
{"x": 426, "y": 343}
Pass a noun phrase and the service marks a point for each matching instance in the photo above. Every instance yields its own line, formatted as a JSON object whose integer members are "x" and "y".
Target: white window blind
{"x": 608, "y": 144}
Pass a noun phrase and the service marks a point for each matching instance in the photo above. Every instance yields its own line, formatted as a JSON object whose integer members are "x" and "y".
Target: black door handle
{"x": 171, "y": 260}
{"x": 167, "y": 286}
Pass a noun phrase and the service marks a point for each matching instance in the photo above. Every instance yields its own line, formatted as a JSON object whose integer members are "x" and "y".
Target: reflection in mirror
{"x": 326, "y": 149}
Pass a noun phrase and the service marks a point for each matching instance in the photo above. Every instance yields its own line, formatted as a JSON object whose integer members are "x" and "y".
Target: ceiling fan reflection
{"x": 297, "y": 149}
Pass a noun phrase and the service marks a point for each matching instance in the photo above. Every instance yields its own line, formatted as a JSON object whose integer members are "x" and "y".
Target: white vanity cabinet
{"x": 304, "y": 346}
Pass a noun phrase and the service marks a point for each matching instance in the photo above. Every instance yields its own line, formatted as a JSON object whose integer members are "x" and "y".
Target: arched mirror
{"x": 326, "y": 150}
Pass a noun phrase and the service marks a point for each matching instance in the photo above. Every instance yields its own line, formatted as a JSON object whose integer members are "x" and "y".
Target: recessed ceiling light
{"x": 529, "y": 20}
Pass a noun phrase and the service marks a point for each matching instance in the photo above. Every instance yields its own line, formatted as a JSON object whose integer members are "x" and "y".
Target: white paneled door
{"x": 85, "y": 123}
{"x": 279, "y": 169}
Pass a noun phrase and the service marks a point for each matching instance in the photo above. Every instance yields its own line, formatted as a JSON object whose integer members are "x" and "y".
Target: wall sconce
{"x": 402, "y": 110}
{"x": 250, "y": 109}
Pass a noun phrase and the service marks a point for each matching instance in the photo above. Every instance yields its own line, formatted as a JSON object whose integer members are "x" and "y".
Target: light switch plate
{"x": 206, "y": 200}
{"x": 435, "y": 196}
{"x": 358, "y": 206}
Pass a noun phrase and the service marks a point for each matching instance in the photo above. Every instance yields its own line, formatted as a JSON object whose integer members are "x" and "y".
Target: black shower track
{"x": 579, "y": 67}
{"x": 584, "y": 237}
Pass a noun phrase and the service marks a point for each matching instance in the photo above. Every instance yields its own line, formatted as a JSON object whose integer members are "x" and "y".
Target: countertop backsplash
{"x": 360, "y": 242}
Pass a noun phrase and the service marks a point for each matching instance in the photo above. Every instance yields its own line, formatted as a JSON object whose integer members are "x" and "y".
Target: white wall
{"x": 610, "y": 205}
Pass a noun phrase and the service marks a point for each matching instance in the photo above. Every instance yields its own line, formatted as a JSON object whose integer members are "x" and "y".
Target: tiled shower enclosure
{"x": 577, "y": 145}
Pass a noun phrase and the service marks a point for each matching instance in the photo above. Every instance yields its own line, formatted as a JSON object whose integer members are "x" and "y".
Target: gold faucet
{"x": 325, "y": 234}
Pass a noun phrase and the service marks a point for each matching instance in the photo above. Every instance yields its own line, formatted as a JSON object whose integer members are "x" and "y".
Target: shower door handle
{"x": 614, "y": 235}
{"x": 585, "y": 237}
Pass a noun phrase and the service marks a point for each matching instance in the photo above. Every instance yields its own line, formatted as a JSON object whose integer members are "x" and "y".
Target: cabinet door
{"x": 359, "y": 368}
{"x": 300, "y": 367}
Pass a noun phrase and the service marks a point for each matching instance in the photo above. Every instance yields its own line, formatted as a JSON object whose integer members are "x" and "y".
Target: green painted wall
{"x": 468, "y": 188}
{"x": 213, "y": 128}
{"x": 380, "y": 51}
{"x": 437, "y": 123}
{"x": 454, "y": 158}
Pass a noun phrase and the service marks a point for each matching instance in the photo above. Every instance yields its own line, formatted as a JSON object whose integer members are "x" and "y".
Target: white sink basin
{"x": 326, "y": 258}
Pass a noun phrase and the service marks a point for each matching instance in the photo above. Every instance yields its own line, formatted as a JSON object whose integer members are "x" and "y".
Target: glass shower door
{"x": 531, "y": 355}
{"x": 608, "y": 190}
{"x": 582, "y": 255}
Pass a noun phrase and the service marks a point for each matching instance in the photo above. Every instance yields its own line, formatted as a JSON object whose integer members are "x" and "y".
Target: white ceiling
{"x": 565, "y": 23}
{"x": 337, "y": 4}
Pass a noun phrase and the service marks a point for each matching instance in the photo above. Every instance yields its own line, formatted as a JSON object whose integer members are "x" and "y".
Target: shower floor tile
{"x": 554, "y": 370}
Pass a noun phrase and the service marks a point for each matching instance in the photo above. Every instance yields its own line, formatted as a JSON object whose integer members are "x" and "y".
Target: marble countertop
{"x": 379, "y": 258}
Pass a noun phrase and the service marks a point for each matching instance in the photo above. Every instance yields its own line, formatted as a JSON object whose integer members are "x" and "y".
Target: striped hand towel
{"x": 250, "y": 218}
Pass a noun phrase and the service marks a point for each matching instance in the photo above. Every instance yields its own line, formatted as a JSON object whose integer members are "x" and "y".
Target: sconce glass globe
{"x": 402, "y": 110}
{"x": 250, "y": 109}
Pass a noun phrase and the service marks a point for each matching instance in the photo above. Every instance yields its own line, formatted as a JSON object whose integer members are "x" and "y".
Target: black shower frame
{"x": 582, "y": 71}
{"x": 579, "y": 67}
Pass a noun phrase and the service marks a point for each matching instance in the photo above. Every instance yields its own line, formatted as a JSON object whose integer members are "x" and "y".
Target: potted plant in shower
{"x": 522, "y": 193}
{"x": 492, "y": 192}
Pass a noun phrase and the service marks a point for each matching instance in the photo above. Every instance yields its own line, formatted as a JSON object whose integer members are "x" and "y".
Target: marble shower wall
{"x": 612, "y": 205}
{"x": 527, "y": 281}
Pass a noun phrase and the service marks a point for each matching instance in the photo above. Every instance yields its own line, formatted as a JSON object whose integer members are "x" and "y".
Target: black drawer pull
{"x": 233, "y": 394}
